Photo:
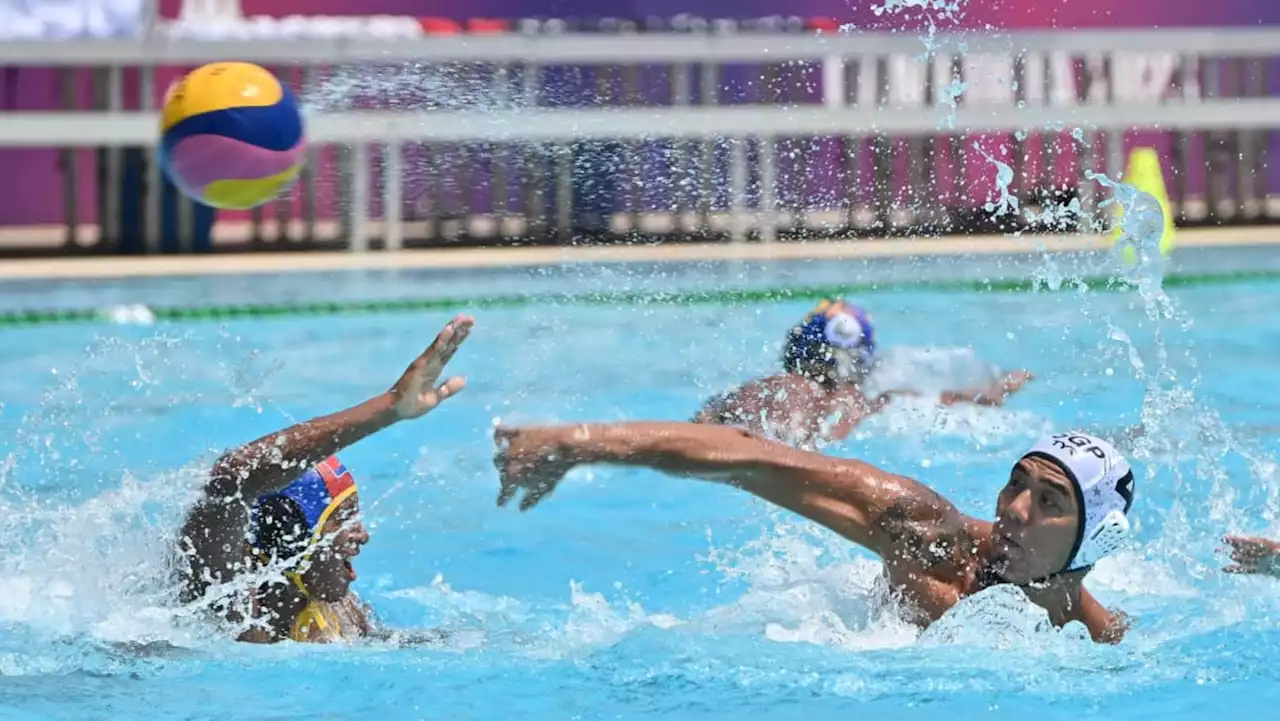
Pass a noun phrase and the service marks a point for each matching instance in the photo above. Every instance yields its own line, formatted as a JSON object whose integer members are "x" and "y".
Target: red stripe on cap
{"x": 336, "y": 476}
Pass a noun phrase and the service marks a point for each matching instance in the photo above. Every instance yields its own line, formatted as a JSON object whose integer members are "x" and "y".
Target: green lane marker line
{"x": 35, "y": 317}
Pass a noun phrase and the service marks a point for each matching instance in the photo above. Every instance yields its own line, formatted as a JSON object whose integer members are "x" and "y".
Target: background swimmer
{"x": 303, "y": 532}
{"x": 1064, "y": 507}
{"x": 827, "y": 359}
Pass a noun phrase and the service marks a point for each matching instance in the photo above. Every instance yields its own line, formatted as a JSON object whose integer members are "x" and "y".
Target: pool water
{"x": 629, "y": 594}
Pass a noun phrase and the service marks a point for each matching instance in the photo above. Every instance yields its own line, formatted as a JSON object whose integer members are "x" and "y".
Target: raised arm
{"x": 847, "y": 496}
{"x": 213, "y": 537}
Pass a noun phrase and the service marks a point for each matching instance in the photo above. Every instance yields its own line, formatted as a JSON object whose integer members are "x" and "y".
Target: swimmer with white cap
{"x": 819, "y": 396}
{"x": 302, "y": 530}
{"x": 1064, "y": 507}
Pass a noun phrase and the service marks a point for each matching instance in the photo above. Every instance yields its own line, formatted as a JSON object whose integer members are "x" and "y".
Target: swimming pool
{"x": 629, "y": 594}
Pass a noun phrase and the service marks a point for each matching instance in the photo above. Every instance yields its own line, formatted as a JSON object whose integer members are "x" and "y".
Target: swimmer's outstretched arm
{"x": 213, "y": 535}
{"x": 848, "y": 496}
{"x": 992, "y": 395}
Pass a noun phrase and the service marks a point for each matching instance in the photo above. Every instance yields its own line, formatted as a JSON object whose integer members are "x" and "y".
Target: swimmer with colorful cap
{"x": 826, "y": 360}
{"x": 298, "y": 536}
{"x": 1064, "y": 507}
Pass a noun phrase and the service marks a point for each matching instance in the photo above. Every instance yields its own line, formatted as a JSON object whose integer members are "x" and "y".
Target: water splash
{"x": 1175, "y": 424}
{"x": 949, "y": 98}
{"x": 1168, "y": 402}
{"x": 935, "y": 13}
{"x": 1008, "y": 202}
{"x": 1140, "y": 232}
{"x": 90, "y": 528}
{"x": 805, "y": 585}
{"x": 938, "y": 16}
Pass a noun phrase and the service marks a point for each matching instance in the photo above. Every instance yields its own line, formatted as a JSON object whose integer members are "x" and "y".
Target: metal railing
{"x": 492, "y": 138}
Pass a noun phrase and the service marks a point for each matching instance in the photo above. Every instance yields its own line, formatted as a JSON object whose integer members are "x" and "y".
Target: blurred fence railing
{"x": 558, "y": 138}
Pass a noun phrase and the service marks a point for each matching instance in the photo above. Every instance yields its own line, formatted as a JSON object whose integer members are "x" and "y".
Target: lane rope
{"x": 137, "y": 313}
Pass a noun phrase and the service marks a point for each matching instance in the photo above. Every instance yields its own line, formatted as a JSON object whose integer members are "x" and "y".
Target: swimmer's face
{"x": 1036, "y": 521}
{"x": 331, "y": 571}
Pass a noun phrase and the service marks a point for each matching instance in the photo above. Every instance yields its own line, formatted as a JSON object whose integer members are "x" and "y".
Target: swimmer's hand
{"x": 419, "y": 391}
{"x": 530, "y": 458}
{"x": 1254, "y": 555}
{"x": 993, "y": 395}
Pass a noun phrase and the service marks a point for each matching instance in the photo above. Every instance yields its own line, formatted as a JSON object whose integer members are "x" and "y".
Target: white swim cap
{"x": 845, "y": 331}
{"x": 1103, "y": 484}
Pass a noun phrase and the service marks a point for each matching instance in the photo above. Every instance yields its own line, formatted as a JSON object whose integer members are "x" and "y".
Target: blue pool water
{"x": 629, "y": 594}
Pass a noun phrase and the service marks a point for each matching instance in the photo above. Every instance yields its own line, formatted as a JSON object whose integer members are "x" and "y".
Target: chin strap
{"x": 988, "y": 576}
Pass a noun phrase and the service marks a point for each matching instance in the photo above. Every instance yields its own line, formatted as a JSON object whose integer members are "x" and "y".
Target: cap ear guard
{"x": 1108, "y": 536}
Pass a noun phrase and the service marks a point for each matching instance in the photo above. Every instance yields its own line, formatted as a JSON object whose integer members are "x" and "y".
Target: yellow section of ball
{"x": 246, "y": 194}
{"x": 219, "y": 86}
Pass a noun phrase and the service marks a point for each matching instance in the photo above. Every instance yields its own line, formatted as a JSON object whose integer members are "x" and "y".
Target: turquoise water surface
{"x": 630, "y": 594}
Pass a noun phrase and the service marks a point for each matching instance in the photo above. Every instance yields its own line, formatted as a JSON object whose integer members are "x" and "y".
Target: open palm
{"x": 419, "y": 390}
{"x": 527, "y": 458}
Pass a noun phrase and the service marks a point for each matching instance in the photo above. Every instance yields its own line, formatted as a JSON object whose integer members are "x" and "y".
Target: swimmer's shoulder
{"x": 918, "y": 524}
{"x": 784, "y": 392}
{"x": 743, "y": 403}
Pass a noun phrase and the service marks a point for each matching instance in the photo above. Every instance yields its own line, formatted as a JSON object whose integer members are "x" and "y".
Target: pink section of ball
{"x": 199, "y": 160}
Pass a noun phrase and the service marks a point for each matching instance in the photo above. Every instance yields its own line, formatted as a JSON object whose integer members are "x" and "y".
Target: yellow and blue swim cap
{"x": 303, "y": 505}
{"x": 835, "y": 336}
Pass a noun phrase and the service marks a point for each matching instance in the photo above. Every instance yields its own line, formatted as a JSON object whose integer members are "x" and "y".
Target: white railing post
{"x": 392, "y": 196}
{"x": 359, "y": 198}
{"x": 738, "y": 189}
{"x": 835, "y": 92}
{"x": 151, "y": 217}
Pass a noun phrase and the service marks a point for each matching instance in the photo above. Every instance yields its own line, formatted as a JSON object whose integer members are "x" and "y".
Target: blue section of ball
{"x": 273, "y": 127}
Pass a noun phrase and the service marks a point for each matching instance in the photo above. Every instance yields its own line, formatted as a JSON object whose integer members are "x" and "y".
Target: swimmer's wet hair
{"x": 281, "y": 529}
{"x": 806, "y": 352}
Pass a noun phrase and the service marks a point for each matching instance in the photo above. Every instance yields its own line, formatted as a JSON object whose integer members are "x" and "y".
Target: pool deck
{"x": 287, "y": 262}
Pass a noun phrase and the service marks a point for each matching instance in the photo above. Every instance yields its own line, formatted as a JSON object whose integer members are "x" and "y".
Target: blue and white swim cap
{"x": 1103, "y": 484}
{"x": 837, "y": 336}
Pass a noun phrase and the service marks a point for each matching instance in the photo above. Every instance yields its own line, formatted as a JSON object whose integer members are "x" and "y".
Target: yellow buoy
{"x": 1143, "y": 173}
